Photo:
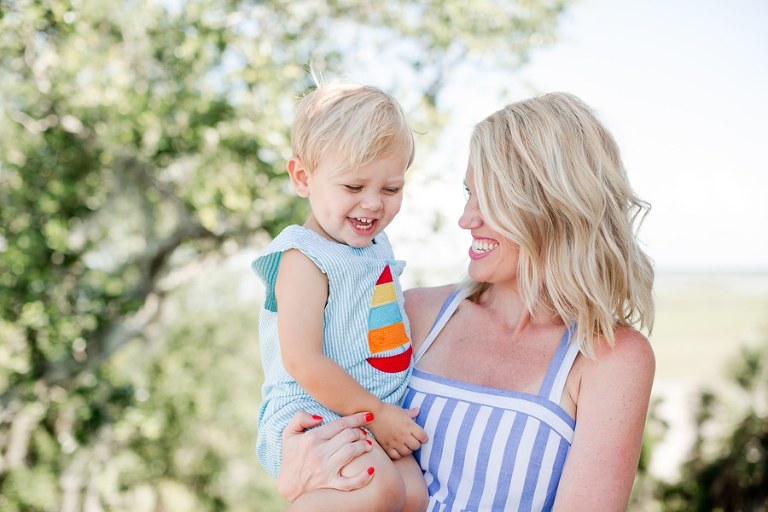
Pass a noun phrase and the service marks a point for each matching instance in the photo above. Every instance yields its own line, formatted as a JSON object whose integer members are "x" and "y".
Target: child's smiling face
{"x": 353, "y": 206}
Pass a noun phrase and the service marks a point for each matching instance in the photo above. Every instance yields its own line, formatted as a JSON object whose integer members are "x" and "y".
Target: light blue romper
{"x": 365, "y": 329}
{"x": 491, "y": 449}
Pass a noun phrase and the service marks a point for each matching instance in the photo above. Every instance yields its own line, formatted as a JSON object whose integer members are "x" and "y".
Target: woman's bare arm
{"x": 612, "y": 405}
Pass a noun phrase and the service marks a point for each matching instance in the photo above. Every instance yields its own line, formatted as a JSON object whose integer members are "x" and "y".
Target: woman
{"x": 530, "y": 380}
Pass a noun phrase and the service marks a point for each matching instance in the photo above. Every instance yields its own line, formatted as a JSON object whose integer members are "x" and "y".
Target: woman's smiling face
{"x": 493, "y": 257}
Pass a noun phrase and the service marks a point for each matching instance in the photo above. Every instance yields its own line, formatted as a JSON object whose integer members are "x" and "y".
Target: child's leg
{"x": 384, "y": 493}
{"x": 416, "y": 497}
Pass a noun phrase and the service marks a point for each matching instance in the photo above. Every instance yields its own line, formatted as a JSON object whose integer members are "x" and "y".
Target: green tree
{"x": 141, "y": 144}
{"x": 728, "y": 471}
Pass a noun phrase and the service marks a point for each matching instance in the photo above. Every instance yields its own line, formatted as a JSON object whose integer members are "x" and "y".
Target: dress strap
{"x": 560, "y": 367}
{"x": 446, "y": 312}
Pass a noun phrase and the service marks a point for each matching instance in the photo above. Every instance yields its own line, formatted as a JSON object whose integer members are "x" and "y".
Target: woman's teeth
{"x": 484, "y": 245}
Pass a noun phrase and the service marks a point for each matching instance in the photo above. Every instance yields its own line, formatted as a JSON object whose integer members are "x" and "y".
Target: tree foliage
{"x": 728, "y": 471}
{"x": 142, "y": 143}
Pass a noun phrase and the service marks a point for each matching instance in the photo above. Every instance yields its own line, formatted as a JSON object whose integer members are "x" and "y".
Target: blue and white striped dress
{"x": 491, "y": 449}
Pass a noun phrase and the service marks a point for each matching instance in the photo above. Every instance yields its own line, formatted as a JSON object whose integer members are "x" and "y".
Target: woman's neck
{"x": 507, "y": 305}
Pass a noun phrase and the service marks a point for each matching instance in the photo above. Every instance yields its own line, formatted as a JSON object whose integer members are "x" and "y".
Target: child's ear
{"x": 299, "y": 176}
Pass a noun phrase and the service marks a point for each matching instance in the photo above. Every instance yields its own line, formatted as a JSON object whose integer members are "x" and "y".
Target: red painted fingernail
{"x": 370, "y": 470}
{"x": 365, "y": 432}
{"x": 369, "y": 416}
{"x": 369, "y": 442}
{"x": 316, "y": 417}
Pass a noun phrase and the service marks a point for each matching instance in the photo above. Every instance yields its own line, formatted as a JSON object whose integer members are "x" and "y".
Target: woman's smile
{"x": 482, "y": 247}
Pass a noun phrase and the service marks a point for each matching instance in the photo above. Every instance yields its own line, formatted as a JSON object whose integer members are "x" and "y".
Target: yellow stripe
{"x": 383, "y": 293}
{"x": 387, "y": 338}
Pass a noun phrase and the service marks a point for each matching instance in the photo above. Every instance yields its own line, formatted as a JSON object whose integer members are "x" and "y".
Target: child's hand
{"x": 395, "y": 430}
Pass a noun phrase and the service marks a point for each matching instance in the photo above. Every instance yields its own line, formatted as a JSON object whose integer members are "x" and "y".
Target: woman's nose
{"x": 470, "y": 217}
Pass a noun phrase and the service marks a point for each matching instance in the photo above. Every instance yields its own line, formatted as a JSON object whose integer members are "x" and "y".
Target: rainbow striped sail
{"x": 386, "y": 329}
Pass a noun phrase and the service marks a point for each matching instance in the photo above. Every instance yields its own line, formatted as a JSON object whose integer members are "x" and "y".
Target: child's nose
{"x": 372, "y": 201}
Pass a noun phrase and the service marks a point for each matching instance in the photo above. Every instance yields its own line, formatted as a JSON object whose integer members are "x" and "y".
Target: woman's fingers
{"x": 300, "y": 422}
{"x": 331, "y": 429}
{"x": 313, "y": 459}
{"x": 346, "y": 446}
{"x": 352, "y": 482}
{"x": 346, "y": 454}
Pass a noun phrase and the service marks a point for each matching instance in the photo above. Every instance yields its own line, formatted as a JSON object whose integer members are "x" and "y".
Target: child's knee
{"x": 416, "y": 499}
{"x": 389, "y": 490}
{"x": 416, "y": 495}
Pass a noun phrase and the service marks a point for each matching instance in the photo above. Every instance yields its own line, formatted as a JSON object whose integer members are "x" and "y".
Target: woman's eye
{"x": 392, "y": 190}
{"x": 353, "y": 188}
{"x": 467, "y": 193}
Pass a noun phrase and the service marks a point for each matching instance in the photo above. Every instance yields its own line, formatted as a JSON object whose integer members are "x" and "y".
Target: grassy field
{"x": 701, "y": 319}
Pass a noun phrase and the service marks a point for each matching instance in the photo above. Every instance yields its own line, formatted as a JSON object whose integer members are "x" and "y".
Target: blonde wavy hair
{"x": 550, "y": 178}
{"x": 360, "y": 122}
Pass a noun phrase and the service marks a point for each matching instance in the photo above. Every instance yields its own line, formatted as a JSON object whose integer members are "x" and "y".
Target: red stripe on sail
{"x": 392, "y": 364}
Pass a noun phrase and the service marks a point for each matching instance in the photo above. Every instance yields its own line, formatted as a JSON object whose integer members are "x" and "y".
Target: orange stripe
{"x": 387, "y": 338}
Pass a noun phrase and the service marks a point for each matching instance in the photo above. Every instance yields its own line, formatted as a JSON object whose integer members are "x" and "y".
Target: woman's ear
{"x": 299, "y": 176}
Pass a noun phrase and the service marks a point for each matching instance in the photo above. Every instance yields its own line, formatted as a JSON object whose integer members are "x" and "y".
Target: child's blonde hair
{"x": 360, "y": 123}
{"x": 550, "y": 178}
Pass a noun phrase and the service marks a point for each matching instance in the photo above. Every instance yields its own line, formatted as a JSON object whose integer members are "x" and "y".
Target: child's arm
{"x": 302, "y": 291}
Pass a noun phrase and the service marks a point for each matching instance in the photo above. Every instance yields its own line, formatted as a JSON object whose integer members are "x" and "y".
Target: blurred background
{"x": 142, "y": 146}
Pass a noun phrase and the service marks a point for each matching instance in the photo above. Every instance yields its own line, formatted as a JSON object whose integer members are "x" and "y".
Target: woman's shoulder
{"x": 629, "y": 343}
{"x": 428, "y": 297}
{"x": 630, "y": 355}
{"x": 623, "y": 370}
{"x": 423, "y": 304}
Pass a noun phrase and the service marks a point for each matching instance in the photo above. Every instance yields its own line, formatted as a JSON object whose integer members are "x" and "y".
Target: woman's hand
{"x": 314, "y": 459}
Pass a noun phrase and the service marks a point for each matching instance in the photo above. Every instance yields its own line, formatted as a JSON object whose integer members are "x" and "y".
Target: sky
{"x": 682, "y": 85}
